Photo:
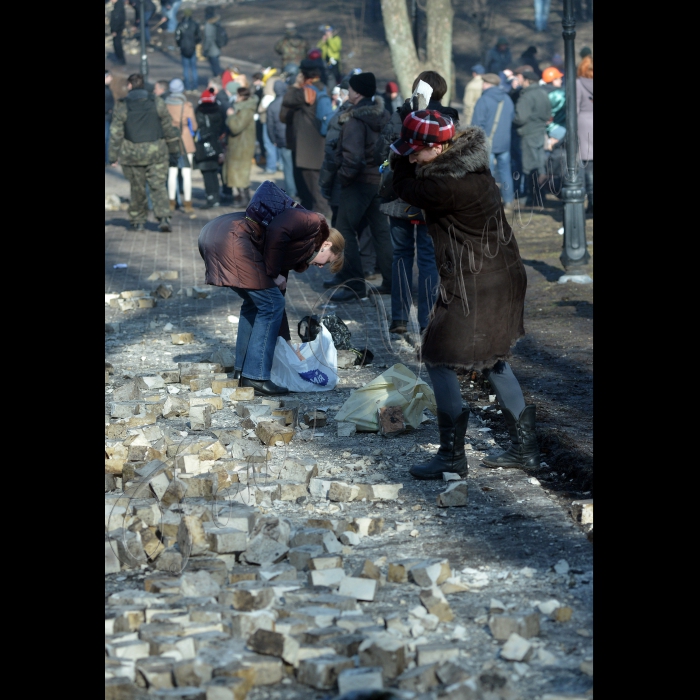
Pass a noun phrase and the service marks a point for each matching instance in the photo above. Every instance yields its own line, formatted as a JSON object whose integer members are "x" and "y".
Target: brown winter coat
{"x": 240, "y": 148}
{"x": 478, "y": 315}
{"x": 360, "y": 128}
{"x": 186, "y": 110}
{"x": 299, "y": 114}
{"x": 239, "y": 252}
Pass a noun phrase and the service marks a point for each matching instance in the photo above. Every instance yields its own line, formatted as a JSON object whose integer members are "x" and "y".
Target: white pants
{"x": 186, "y": 181}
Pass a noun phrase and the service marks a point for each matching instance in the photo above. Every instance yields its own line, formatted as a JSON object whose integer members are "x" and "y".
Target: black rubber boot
{"x": 450, "y": 457}
{"x": 524, "y": 452}
{"x": 236, "y": 374}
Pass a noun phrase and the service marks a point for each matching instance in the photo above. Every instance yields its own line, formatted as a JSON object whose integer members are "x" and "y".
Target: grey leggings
{"x": 501, "y": 378}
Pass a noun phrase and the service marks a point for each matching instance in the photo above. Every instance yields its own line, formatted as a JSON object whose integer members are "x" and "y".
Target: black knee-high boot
{"x": 523, "y": 452}
{"x": 450, "y": 457}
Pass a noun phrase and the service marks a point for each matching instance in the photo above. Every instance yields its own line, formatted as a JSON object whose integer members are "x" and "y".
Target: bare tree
{"x": 438, "y": 50}
{"x": 481, "y": 13}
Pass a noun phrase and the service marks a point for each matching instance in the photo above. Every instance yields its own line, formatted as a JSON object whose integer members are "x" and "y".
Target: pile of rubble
{"x": 258, "y": 567}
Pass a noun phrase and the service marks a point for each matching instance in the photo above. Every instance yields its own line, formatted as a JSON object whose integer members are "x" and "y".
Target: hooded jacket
{"x": 478, "y": 314}
{"x": 533, "y": 111}
{"x": 360, "y": 127}
{"x": 239, "y": 252}
{"x": 485, "y": 115}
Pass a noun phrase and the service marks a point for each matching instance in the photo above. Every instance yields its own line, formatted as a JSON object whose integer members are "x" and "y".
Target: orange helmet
{"x": 550, "y": 74}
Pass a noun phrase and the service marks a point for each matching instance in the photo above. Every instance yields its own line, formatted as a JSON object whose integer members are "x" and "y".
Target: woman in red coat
{"x": 255, "y": 261}
{"x": 478, "y": 314}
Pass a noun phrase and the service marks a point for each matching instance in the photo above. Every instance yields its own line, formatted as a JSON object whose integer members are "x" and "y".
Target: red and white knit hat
{"x": 423, "y": 129}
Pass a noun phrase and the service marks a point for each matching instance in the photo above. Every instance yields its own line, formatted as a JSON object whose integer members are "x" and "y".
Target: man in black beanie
{"x": 359, "y": 179}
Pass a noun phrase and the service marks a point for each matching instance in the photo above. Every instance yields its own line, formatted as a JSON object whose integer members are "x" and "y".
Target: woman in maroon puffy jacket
{"x": 255, "y": 261}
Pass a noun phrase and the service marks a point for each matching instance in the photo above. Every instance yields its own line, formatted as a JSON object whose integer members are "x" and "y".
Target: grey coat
{"x": 209, "y": 46}
{"x": 584, "y": 109}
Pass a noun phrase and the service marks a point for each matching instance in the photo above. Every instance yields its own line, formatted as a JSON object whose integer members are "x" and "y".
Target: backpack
{"x": 221, "y": 36}
{"x": 324, "y": 110}
{"x": 187, "y": 36}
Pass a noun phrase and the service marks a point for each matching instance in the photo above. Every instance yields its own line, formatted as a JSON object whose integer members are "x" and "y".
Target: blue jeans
{"x": 215, "y": 65}
{"x": 146, "y": 19}
{"x": 500, "y": 169}
{"x": 406, "y": 236}
{"x": 285, "y": 155}
{"x": 541, "y": 14}
{"x": 258, "y": 328}
{"x": 171, "y": 14}
{"x": 108, "y": 123}
{"x": 270, "y": 152}
{"x": 189, "y": 72}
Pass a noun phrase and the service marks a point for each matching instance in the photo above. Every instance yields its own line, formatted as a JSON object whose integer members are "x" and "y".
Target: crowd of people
{"x": 523, "y": 111}
{"x": 369, "y": 170}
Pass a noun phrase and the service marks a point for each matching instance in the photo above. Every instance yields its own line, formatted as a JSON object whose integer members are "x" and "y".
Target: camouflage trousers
{"x": 155, "y": 176}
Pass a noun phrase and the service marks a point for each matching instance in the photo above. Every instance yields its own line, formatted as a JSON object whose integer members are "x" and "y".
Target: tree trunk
{"x": 407, "y": 66}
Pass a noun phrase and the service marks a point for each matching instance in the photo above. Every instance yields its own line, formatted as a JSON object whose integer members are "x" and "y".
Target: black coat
{"x": 117, "y": 20}
{"x": 211, "y": 126}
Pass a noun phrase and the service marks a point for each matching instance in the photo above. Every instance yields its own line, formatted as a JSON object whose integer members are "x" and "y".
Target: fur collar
{"x": 469, "y": 153}
{"x": 366, "y": 112}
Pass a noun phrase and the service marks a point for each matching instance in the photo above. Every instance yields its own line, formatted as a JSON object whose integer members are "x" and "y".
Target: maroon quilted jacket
{"x": 238, "y": 252}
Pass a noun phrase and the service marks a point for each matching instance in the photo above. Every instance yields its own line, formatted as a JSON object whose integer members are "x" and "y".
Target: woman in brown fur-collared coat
{"x": 478, "y": 314}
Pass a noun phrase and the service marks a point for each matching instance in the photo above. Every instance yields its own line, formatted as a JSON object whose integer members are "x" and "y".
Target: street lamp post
{"x": 144, "y": 56}
{"x": 574, "y": 256}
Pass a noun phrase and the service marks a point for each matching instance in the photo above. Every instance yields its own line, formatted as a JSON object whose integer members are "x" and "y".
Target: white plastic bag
{"x": 318, "y": 371}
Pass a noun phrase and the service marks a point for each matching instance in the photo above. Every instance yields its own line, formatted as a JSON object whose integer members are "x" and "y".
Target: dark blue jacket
{"x": 485, "y": 113}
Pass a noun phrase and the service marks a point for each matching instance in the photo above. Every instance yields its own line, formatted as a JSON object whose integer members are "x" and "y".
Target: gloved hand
{"x": 405, "y": 109}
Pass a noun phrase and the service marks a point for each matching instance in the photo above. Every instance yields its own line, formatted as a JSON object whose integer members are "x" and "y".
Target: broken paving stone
{"x": 582, "y": 511}
{"x": 358, "y": 588}
{"x": 181, "y": 338}
{"x": 325, "y": 562}
{"x": 170, "y": 376}
{"x": 386, "y": 492}
{"x": 516, "y": 648}
{"x": 269, "y": 542}
{"x": 175, "y": 407}
{"x": 200, "y": 417}
{"x": 419, "y": 679}
{"x": 398, "y": 571}
{"x": 198, "y": 583}
{"x": 327, "y": 577}
{"x": 369, "y": 526}
{"x": 525, "y": 624}
{"x": 561, "y": 567}
{"x": 300, "y": 557}
{"x": 322, "y": 672}
{"x": 349, "y": 538}
{"x": 360, "y": 679}
{"x": 223, "y": 688}
{"x": 386, "y": 652}
{"x": 278, "y": 572}
{"x": 391, "y": 421}
{"x": 427, "y": 654}
{"x": 247, "y": 596}
{"x": 346, "y": 429}
{"x": 369, "y": 570}
{"x": 241, "y": 393}
{"x": 216, "y": 402}
{"x": 298, "y": 470}
{"x": 454, "y": 495}
{"x": 164, "y": 291}
{"x": 270, "y": 432}
{"x": 451, "y": 476}
{"x": 150, "y": 383}
{"x": 127, "y": 392}
{"x": 191, "y": 538}
{"x": 223, "y": 540}
{"x": 315, "y": 419}
{"x": 275, "y": 644}
{"x": 436, "y": 604}
{"x": 430, "y": 572}
{"x": 217, "y": 385}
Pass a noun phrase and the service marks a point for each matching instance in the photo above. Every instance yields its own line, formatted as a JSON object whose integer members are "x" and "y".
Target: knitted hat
{"x": 314, "y": 54}
{"x": 207, "y": 97}
{"x": 364, "y": 83}
{"x": 392, "y": 87}
{"x": 176, "y": 85}
{"x": 585, "y": 51}
{"x": 423, "y": 129}
{"x": 478, "y": 69}
{"x": 491, "y": 79}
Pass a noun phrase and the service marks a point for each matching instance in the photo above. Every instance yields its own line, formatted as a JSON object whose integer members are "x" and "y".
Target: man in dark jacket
{"x": 532, "y": 113}
{"x": 140, "y": 124}
{"x": 359, "y": 178}
{"x": 187, "y": 36}
{"x": 409, "y": 232}
{"x": 499, "y": 57}
{"x": 494, "y": 113}
{"x": 117, "y": 22}
{"x": 277, "y": 131}
{"x": 303, "y": 137}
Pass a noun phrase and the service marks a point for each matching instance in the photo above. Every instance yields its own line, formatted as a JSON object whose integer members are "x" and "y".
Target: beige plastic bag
{"x": 397, "y": 386}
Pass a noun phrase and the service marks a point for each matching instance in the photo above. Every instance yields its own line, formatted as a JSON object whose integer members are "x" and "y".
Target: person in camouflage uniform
{"x": 141, "y": 124}
{"x": 293, "y": 48}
